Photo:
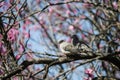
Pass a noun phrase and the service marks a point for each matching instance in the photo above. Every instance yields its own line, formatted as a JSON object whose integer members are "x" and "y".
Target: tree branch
{"x": 110, "y": 58}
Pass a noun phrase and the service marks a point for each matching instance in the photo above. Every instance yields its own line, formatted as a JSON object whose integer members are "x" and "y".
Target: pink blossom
{"x": 15, "y": 78}
{"x": 89, "y": 72}
{"x": 27, "y": 22}
{"x": 100, "y": 46}
{"x": 12, "y": 34}
{"x": 51, "y": 9}
{"x": 18, "y": 56}
{"x": 68, "y": 12}
{"x": 2, "y": 3}
{"x": 115, "y": 5}
{"x": 71, "y": 27}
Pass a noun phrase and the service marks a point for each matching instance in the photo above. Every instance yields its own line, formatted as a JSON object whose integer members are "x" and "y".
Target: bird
{"x": 79, "y": 44}
{"x": 75, "y": 48}
{"x": 83, "y": 47}
{"x": 67, "y": 48}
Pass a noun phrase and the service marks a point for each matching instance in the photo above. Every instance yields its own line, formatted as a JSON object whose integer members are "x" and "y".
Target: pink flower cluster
{"x": 12, "y": 34}
{"x": 18, "y": 56}
{"x": 115, "y": 5}
{"x": 89, "y": 72}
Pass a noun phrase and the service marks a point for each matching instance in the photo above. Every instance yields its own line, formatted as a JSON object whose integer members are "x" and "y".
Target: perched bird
{"x": 67, "y": 48}
{"x": 75, "y": 48}
{"x": 80, "y": 44}
{"x": 84, "y": 49}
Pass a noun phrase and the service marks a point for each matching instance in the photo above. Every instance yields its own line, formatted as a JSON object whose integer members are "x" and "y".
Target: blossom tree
{"x": 30, "y": 31}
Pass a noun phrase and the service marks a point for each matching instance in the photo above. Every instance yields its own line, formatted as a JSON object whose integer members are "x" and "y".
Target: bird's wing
{"x": 71, "y": 48}
{"x": 68, "y": 47}
{"x": 85, "y": 47}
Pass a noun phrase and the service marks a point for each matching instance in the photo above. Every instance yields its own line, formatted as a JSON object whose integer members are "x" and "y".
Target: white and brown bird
{"x": 67, "y": 48}
{"x": 75, "y": 47}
